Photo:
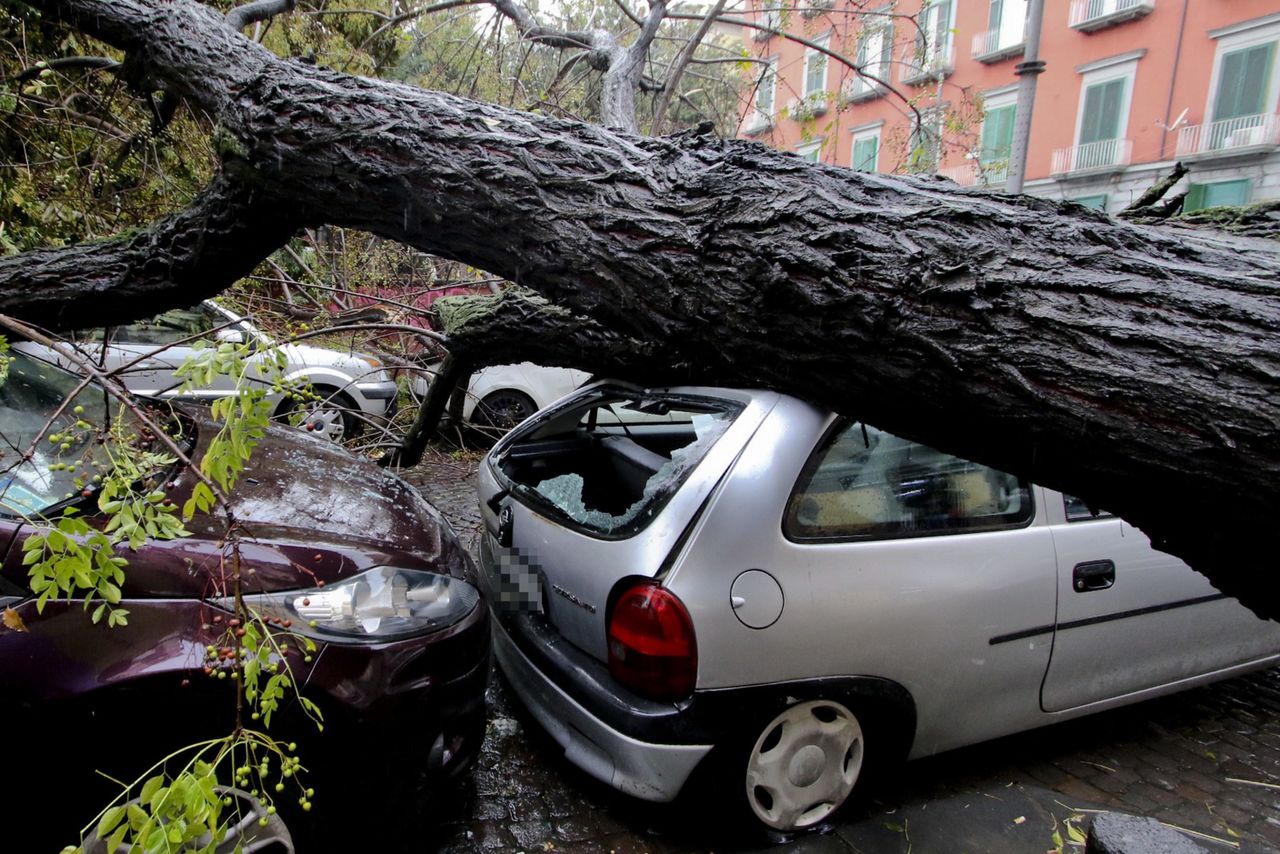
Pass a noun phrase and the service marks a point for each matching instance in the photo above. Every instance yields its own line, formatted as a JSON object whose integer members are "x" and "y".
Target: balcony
{"x": 929, "y": 62}
{"x": 756, "y": 121}
{"x": 1093, "y": 158}
{"x": 1089, "y": 15}
{"x": 1230, "y": 138}
{"x": 809, "y": 107}
{"x": 864, "y": 89}
{"x": 999, "y": 44}
{"x": 976, "y": 174}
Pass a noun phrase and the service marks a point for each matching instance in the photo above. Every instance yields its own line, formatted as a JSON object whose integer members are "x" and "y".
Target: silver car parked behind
{"x": 350, "y": 387}
{"x": 777, "y": 595}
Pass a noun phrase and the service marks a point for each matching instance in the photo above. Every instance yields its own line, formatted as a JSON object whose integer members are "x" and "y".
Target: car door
{"x": 150, "y": 351}
{"x": 894, "y": 561}
{"x": 1131, "y": 618}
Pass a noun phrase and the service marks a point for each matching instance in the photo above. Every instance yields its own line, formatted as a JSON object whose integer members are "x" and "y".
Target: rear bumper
{"x": 646, "y": 770}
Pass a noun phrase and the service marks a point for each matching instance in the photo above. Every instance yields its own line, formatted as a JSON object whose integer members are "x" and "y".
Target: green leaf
{"x": 150, "y": 787}
{"x": 110, "y": 819}
{"x": 117, "y": 838}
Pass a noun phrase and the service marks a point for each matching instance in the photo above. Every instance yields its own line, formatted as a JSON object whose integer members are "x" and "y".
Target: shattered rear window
{"x": 608, "y": 465}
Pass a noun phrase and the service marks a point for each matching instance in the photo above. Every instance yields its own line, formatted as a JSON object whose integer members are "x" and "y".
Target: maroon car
{"x": 358, "y": 560}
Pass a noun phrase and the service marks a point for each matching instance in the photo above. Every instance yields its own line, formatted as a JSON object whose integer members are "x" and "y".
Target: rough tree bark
{"x": 1136, "y": 367}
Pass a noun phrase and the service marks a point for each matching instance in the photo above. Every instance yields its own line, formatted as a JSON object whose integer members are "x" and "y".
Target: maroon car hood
{"x": 307, "y": 511}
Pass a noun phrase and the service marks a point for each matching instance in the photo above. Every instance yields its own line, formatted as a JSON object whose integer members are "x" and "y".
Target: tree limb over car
{"x": 1137, "y": 367}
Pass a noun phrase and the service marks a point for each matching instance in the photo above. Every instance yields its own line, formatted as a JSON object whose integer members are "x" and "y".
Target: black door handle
{"x": 1093, "y": 575}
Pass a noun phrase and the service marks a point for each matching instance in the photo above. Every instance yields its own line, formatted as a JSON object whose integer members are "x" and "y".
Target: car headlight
{"x": 383, "y": 603}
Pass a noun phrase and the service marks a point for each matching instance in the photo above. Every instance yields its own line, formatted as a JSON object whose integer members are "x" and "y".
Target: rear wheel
{"x": 503, "y": 409}
{"x": 804, "y": 765}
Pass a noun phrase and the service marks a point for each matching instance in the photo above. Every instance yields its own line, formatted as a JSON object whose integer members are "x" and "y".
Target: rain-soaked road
{"x": 1207, "y": 760}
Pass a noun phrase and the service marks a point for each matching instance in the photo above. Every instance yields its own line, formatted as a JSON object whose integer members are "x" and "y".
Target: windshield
{"x": 50, "y": 434}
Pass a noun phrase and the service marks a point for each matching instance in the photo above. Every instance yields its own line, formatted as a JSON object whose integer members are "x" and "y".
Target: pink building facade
{"x": 1129, "y": 88}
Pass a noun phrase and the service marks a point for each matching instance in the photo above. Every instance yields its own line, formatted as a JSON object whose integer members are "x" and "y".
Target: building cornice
{"x": 1118, "y": 59}
{"x": 1245, "y": 26}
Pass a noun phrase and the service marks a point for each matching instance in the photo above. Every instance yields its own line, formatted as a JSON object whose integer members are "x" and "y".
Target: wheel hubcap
{"x": 326, "y": 423}
{"x": 804, "y": 765}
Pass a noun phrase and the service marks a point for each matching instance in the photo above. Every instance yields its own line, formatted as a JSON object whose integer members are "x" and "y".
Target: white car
{"x": 352, "y": 387}
{"x": 504, "y": 395}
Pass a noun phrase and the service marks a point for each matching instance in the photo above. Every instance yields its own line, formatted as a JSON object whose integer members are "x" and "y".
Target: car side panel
{"x": 1159, "y": 622}
{"x": 921, "y": 612}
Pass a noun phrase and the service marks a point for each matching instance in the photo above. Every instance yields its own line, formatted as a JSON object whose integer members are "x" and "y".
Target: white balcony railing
{"x": 1092, "y": 156}
{"x": 860, "y": 88}
{"x": 976, "y": 174}
{"x": 809, "y": 107}
{"x": 1000, "y": 43}
{"x": 1089, "y": 15}
{"x": 928, "y": 61}
{"x": 1229, "y": 135}
{"x": 756, "y": 121}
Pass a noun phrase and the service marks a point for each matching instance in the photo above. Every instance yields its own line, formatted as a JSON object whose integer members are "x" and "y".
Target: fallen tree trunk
{"x": 1136, "y": 367}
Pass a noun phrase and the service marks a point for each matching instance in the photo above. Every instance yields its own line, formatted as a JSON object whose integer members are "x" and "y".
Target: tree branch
{"x": 260, "y": 10}
{"x": 177, "y": 262}
{"x": 682, "y": 60}
{"x": 64, "y": 63}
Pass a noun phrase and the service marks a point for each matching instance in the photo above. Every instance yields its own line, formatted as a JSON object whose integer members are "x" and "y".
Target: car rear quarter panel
{"x": 920, "y": 612}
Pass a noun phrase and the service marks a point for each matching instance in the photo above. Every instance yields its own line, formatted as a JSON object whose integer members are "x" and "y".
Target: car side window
{"x": 864, "y": 483}
{"x": 1078, "y": 511}
{"x": 167, "y": 327}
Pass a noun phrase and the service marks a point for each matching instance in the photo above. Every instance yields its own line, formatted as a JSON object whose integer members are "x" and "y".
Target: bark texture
{"x": 1137, "y": 367}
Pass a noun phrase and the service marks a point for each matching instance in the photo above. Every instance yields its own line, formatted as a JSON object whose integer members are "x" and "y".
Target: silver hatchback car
{"x": 765, "y": 591}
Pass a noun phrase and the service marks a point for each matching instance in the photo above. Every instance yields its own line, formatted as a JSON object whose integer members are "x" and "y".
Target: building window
{"x": 1007, "y": 19}
{"x": 1102, "y": 114}
{"x": 866, "y": 150}
{"x": 932, "y": 54}
{"x": 811, "y": 151}
{"x": 925, "y": 143}
{"x": 1244, "y": 76}
{"x": 874, "y": 54}
{"x": 997, "y": 136}
{"x": 762, "y": 107}
{"x": 815, "y": 70}
{"x": 1241, "y": 109}
{"x": 770, "y": 18}
{"x": 1103, "y": 118}
{"x": 1213, "y": 195}
{"x": 1005, "y": 33}
{"x": 1098, "y": 201}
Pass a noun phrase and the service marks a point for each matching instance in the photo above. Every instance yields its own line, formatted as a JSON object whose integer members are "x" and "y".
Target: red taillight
{"x": 651, "y": 645}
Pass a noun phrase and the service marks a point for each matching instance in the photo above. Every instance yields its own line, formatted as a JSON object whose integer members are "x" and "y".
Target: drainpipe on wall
{"x": 1027, "y": 70}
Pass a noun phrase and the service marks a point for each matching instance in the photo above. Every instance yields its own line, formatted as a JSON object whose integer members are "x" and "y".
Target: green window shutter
{"x": 1102, "y": 102}
{"x": 865, "y": 152}
{"x": 1097, "y": 202}
{"x": 997, "y": 12}
{"x": 997, "y": 134}
{"x": 1243, "y": 80}
{"x": 1195, "y": 198}
{"x": 1216, "y": 194}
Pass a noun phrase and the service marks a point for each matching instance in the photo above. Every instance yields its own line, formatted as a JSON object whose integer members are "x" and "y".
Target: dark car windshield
{"x": 39, "y": 401}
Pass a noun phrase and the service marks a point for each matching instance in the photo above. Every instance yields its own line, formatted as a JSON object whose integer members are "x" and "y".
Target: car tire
{"x": 333, "y": 417}
{"x": 503, "y": 409}
{"x": 793, "y": 768}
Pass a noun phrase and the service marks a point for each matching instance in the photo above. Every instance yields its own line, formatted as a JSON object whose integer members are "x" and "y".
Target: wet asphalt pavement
{"x": 1206, "y": 760}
